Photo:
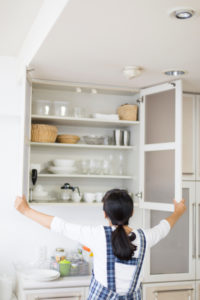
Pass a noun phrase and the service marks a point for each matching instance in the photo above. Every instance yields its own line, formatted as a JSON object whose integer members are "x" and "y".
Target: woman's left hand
{"x": 21, "y": 204}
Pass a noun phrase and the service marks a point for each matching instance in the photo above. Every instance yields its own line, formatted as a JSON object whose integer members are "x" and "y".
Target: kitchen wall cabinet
{"x": 153, "y": 141}
{"x": 166, "y": 291}
{"x": 174, "y": 257}
{"x": 189, "y": 137}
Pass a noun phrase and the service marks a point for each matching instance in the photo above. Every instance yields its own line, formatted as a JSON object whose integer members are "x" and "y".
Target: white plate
{"x": 59, "y": 170}
{"x": 42, "y": 275}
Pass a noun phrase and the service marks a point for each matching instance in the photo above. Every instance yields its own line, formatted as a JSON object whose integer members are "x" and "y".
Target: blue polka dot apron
{"x": 99, "y": 292}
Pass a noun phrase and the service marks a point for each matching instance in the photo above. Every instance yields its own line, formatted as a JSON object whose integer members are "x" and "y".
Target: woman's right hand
{"x": 179, "y": 207}
{"x": 21, "y": 204}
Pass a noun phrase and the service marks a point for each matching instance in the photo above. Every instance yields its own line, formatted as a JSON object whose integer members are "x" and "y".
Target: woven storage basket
{"x": 128, "y": 112}
{"x": 43, "y": 133}
{"x": 67, "y": 139}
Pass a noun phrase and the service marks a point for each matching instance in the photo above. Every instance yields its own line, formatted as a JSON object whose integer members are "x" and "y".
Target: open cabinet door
{"x": 160, "y": 146}
{"x": 26, "y": 93}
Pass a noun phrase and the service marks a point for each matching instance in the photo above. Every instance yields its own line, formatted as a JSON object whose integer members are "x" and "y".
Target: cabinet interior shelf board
{"x": 87, "y": 146}
{"x": 82, "y": 121}
{"x": 71, "y": 86}
{"x": 85, "y": 176}
{"x": 95, "y": 204}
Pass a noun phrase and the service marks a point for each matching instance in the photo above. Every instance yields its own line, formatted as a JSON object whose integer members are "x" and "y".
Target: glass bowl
{"x": 93, "y": 139}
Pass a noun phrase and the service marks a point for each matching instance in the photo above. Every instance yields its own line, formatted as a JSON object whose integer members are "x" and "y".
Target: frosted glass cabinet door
{"x": 188, "y": 136}
{"x": 160, "y": 146}
{"x": 174, "y": 256}
{"x": 175, "y": 291}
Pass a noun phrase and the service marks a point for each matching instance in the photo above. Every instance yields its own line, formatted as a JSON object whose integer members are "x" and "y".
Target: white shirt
{"x": 94, "y": 238}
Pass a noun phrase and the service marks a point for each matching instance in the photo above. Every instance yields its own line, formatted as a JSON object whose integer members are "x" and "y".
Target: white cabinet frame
{"x": 176, "y": 145}
{"x": 189, "y": 174}
{"x": 197, "y": 230}
{"x": 26, "y": 134}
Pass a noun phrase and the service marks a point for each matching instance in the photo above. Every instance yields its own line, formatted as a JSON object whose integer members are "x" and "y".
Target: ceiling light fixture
{"x": 131, "y": 72}
{"x": 174, "y": 72}
{"x": 184, "y": 14}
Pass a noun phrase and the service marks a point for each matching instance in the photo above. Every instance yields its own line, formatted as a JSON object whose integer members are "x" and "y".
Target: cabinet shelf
{"x": 54, "y": 120}
{"x": 83, "y": 146}
{"x": 71, "y": 204}
{"x": 85, "y": 176}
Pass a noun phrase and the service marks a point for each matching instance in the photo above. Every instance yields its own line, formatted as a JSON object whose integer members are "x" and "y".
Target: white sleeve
{"x": 86, "y": 235}
{"x": 157, "y": 233}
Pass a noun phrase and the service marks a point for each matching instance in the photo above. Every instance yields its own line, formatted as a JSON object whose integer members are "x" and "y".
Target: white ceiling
{"x": 16, "y": 18}
{"x": 94, "y": 39}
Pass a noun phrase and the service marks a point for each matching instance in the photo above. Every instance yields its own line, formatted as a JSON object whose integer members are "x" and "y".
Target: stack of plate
{"x": 42, "y": 275}
{"x": 106, "y": 117}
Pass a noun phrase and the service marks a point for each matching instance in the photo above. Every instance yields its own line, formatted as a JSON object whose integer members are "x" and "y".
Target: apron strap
{"x": 140, "y": 262}
{"x": 110, "y": 260}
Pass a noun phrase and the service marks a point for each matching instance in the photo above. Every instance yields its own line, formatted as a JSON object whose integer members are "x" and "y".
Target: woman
{"x": 118, "y": 249}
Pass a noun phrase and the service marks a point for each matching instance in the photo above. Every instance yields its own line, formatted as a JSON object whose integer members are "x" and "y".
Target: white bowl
{"x": 89, "y": 197}
{"x": 63, "y": 162}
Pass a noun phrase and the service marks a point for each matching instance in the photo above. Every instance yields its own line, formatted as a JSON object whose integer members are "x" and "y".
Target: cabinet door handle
{"x": 174, "y": 290}
{"x": 194, "y": 230}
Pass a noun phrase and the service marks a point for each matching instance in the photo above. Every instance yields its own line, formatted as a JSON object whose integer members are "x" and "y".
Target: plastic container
{"x": 61, "y": 108}
{"x": 42, "y": 107}
{"x": 64, "y": 267}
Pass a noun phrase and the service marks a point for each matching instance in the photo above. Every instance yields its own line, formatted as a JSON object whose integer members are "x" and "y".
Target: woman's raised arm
{"x": 22, "y": 206}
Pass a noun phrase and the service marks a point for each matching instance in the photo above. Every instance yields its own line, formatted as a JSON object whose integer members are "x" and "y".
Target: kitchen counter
{"x": 62, "y": 282}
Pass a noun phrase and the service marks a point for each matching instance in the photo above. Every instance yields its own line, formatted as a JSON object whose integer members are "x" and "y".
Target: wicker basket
{"x": 43, "y": 133}
{"x": 128, "y": 112}
{"x": 67, "y": 139}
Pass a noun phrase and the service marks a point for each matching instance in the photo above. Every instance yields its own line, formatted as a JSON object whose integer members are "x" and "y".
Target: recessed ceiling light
{"x": 174, "y": 72}
{"x": 132, "y": 71}
{"x": 182, "y": 13}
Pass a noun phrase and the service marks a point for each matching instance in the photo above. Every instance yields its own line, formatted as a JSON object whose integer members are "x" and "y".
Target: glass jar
{"x": 42, "y": 107}
{"x": 65, "y": 195}
{"x": 60, "y": 254}
{"x": 61, "y": 108}
{"x": 53, "y": 264}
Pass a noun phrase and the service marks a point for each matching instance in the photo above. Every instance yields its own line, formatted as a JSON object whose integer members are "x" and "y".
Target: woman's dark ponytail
{"x": 121, "y": 244}
{"x": 118, "y": 206}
